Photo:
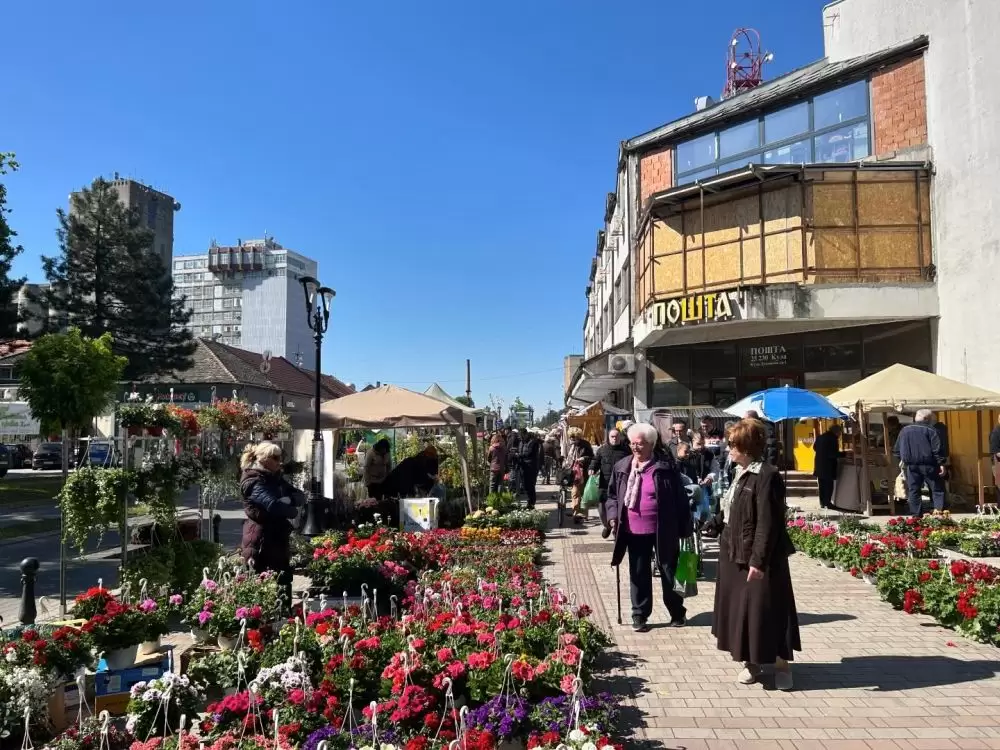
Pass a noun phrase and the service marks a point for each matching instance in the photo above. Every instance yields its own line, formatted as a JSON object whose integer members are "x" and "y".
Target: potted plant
{"x": 215, "y": 672}
{"x": 156, "y": 626}
{"x": 134, "y": 415}
{"x": 117, "y": 632}
{"x": 162, "y": 418}
{"x": 156, "y": 707}
{"x": 186, "y": 424}
{"x": 272, "y": 424}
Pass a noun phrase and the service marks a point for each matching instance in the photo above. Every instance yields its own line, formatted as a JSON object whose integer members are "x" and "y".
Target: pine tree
{"x": 8, "y": 251}
{"x": 107, "y": 279}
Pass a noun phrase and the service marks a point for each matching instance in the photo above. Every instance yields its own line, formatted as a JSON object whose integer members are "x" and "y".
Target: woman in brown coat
{"x": 755, "y": 618}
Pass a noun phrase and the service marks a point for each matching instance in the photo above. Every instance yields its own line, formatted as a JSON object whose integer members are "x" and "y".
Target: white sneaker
{"x": 783, "y": 679}
{"x": 749, "y": 674}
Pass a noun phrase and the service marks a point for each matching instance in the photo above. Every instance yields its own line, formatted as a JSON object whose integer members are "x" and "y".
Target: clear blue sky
{"x": 445, "y": 162}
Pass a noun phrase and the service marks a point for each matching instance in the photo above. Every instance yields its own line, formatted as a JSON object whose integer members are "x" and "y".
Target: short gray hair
{"x": 646, "y": 431}
{"x": 924, "y": 415}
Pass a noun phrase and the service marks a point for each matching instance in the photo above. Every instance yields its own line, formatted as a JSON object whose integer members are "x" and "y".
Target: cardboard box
{"x": 63, "y": 706}
{"x": 112, "y": 688}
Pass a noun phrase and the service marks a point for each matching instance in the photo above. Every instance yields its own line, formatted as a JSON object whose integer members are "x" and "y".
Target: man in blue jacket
{"x": 919, "y": 449}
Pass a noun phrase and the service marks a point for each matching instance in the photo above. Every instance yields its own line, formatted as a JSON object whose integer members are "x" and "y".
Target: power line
{"x": 478, "y": 380}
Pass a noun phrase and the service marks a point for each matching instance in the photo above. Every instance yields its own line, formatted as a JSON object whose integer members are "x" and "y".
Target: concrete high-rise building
{"x": 156, "y": 212}
{"x": 249, "y": 296}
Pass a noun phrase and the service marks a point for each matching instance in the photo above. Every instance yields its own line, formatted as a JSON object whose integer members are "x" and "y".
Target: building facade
{"x": 817, "y": 228}
{"x": 248, "y": 296}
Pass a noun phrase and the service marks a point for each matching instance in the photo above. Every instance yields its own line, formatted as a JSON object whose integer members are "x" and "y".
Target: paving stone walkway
{"x": 868, "y": 678}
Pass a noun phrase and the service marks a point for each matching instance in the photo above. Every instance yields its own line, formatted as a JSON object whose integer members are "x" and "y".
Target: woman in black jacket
{"x": 755, "y": 618}
{"x": 270, "y": 503}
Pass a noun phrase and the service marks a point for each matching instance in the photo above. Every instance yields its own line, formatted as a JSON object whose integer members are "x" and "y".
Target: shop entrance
{"x": 786, "y": 428}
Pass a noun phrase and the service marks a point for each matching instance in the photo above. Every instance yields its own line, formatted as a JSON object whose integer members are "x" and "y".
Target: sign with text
{"x": 706, "y": 307}
{"x": 16, "y": 419}
{"x": 757, "y": 357}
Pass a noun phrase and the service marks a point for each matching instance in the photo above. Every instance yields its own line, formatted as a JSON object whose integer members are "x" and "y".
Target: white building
{"x": 248, "y": 296}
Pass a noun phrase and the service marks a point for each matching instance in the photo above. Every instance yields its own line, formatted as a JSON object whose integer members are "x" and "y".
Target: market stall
{"x": 594, "y": 420}
{"x": 390, "y": 406}
{"x": 869, "y": 471}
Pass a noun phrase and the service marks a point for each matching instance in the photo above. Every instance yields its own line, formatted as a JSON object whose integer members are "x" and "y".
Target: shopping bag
{"x": 686, "y": 590}
{"x": 592, "y": 492}
{"x": 687, "y": 565}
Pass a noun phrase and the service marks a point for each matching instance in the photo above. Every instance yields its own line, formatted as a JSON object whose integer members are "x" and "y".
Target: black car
{"x": 49, "y": 456}
{"x": 20, "y": 456}
{"x": 4, "y": 461}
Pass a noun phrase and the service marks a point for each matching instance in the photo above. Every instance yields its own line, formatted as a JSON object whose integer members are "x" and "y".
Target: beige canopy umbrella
{"x": 391, "y": 406}
{"x": 902, "y": 388}
{"x": 436, "y": 391}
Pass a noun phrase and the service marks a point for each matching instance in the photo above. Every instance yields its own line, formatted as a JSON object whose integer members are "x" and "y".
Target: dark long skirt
{"x": 755, "y": 621}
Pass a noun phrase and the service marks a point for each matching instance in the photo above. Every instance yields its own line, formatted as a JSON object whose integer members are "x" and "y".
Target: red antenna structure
{"x": 744, "y": 62}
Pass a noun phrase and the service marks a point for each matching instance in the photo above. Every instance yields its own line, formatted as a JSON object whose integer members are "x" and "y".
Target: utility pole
{"x": 468, "y": 379}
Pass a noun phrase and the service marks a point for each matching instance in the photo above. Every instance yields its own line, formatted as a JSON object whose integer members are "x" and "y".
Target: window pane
{"x": 786, "y": 123}
{"x": 793, "y": 153}
{"x": 738, "y": 139}
{"x": 702, "y": 175}
{"x": 696, "y": 153}
{"x": 739, "y": 163}
{"x": 845, "y": 144}
{"x": 840, "y": 105}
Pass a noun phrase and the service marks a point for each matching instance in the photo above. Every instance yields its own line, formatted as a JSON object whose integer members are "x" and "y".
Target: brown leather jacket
{"x": 757, "y": 530}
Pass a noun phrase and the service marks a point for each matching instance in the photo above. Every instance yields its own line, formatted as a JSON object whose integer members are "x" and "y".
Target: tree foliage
{"x": 8, "y": 251}
{"x": 466, "y": 401}
{"x": 108, "y": 279}
{"x": 550, "y": 418}
{"x": 69, "y": 378}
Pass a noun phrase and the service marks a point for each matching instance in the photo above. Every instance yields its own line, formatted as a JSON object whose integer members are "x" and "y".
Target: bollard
{"x": 216, "y": 526}
{"x": 29, "y": 568}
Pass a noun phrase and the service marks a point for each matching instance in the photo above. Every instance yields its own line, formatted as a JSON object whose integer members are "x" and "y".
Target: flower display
{"x": 155, "y": 707}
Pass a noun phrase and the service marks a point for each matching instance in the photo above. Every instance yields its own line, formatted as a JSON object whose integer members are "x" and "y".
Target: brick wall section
{"x": 899, "y": 106}
{"x": 656, "y": 173}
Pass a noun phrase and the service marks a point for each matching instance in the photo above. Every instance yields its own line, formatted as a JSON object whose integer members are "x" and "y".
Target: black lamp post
{"x": 318, "y": 300}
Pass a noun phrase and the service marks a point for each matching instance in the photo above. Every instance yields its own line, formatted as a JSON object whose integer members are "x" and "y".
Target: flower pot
{"x": 200, "y": 635}
{"x": 227, "y": 643}
{"x": 827, "y": 563}
{"x": 134, "y": 430}
{"x": 839, "y": 567}
{"x": 146, "y": 648}
{"x": 869, "y": 579}
{"x": 121, "y": 658}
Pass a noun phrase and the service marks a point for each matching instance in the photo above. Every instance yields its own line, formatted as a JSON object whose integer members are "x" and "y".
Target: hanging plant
{"x": 91, "y": 502}
{"x": 135, "y": 414}
{"x": 272, "y": 423}
{"x": 186, "y": 424}
{"x": 161, "y": 418}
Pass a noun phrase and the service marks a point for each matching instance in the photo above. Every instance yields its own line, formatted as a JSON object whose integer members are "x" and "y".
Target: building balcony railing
{"x": 811, "y": 224}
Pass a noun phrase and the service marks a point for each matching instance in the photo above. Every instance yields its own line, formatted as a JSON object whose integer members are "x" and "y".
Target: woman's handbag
{"x": 592, "y": 492}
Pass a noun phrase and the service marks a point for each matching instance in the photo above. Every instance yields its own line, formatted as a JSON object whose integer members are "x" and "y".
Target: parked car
{"x": 4, "y": 461}
{"x": 49, "y": 456}
{"x": 20, "y": 456}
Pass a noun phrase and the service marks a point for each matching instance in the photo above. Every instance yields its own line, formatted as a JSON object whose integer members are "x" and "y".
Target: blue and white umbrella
{"x": 777, "y": 404}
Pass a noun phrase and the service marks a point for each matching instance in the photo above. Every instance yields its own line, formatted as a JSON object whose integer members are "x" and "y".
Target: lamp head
{"x": 326, "y": 295}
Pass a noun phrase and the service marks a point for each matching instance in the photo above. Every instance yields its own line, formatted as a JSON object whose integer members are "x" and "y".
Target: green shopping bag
{"x": 687, "y": 565}
{"x": 592, "y": 492}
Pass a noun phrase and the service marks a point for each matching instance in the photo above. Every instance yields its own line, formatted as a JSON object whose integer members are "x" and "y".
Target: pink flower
{"x": 176, "y": 600}
{"x": 445, "y": 654}
{"x": 204, "y": 617}
{"x": 241, "y": 613}
{"x": 568, "y": 684}
{"x": 148, "y": 605}
{"x": 256, "y": 611}
{"x": 209, "y": 585}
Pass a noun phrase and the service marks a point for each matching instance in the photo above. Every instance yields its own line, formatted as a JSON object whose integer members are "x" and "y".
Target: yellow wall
{"x": 969, "y": 440}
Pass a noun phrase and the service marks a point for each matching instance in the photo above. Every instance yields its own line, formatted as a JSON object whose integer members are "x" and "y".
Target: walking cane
{"x": 618, "y": 591}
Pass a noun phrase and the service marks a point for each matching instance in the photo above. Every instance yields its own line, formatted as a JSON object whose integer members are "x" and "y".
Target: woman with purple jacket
{"x": 649, "y": 511}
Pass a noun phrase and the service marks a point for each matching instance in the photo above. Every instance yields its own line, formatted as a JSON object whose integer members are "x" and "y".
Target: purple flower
{"x": 148, "y": 605}
{"x": 176, "y": 600}
{"x": 242, "y": 613}
{"x": 504, "y": 716}
{"x": 320, "y": 735}
{"x": 204, "y": 617}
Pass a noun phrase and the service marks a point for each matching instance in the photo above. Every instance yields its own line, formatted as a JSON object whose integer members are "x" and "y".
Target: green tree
{"x": 68, "y": 379}
{"x": 550, "y": 418}
{"x": 108, "y": 279}
{"x": 466, "y": 401}
{"x": 8, "y": 251}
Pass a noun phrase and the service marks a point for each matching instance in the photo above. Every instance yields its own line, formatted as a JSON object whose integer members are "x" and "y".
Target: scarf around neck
{"x": 635, "y": 482}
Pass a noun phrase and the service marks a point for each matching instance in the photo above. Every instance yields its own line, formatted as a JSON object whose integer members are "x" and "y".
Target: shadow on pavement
{"x": 890, "y": 673}
{"x": 704, "y": 619}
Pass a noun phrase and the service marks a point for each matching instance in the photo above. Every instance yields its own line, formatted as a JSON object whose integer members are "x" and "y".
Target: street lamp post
{"x": 318, "y": 299}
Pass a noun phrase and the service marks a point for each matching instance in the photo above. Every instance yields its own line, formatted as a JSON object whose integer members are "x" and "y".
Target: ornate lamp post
{"x": 318, "y": 299}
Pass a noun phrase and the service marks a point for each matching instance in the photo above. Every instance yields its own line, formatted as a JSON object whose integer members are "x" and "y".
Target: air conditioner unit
{"x": 621, "y": 364}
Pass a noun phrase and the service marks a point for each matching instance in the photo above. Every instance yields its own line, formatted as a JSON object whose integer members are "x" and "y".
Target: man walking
{"x": 530, "y": 458}
{"x": 613, "y": 451}
{"x": 827, "y": 450}
{"x": 919, "y": 449}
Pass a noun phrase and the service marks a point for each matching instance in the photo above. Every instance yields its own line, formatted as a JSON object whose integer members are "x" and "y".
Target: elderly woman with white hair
{"x": 649, "y": 512}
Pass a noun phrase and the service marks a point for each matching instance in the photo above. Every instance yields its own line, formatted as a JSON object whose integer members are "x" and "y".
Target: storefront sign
{"x": 16, "y": 419}
{"x": 708, "y": 307}
{"x": 164, "y": 394}
{"x": 766, "y": 357}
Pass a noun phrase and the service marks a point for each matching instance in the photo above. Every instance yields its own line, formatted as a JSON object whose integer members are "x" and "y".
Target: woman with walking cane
{"x": 755, "y": 618}
{"x": 649, "y": 512}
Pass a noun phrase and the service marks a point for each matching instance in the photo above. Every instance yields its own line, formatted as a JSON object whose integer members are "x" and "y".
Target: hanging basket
{"x": 228, "y": 643}
{"x": 154, "y": 431}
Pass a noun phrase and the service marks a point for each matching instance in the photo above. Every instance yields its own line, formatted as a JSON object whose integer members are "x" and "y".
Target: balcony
{"x": 769, "y": 233}
{"x": 809, "y": 225}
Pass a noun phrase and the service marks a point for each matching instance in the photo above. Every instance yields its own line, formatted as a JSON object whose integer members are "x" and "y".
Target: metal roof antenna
{"x": 744, "y": 62}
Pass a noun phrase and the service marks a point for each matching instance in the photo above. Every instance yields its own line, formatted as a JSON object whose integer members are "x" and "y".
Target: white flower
{"x": 11, "y": 656}
{"x": 588, "y": 746}
{"x": 577, "y": 736}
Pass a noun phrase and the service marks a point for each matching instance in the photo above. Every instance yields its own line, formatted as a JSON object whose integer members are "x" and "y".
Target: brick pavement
{"x": 868, "y": 678}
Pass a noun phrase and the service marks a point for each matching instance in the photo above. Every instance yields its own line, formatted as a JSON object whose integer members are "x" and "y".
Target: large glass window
{"x": 830, "y": 127}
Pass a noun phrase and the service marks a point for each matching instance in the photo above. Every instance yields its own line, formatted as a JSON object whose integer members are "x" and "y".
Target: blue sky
{"x": 445, "y": 162}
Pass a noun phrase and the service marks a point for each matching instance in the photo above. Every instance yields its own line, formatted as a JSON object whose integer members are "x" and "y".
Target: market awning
{"x": 903, "y": 388}
{"x": 388, "y": 406}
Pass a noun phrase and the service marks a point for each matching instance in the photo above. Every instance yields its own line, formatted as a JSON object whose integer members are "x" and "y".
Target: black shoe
{"x": 678, "y": 622}
{"x": 639, "y": 625}
{"x": 606, "y": 532}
